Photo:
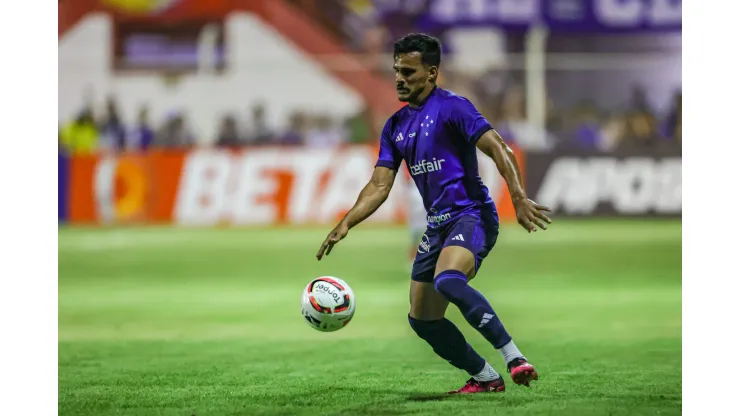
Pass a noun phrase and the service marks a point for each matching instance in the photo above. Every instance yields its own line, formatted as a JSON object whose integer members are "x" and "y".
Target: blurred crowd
{"x": 585, "y": 126}
{"x": 91, "y": 133}
{"x": 106, "y": 132}
{"x": 302, "y": 128}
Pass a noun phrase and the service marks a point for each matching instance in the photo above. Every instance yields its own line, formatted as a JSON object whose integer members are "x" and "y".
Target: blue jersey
{"x": 438, "y": 142}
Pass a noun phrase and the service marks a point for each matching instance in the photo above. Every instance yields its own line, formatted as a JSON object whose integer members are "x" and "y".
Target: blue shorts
{"x": 468, "y": 231}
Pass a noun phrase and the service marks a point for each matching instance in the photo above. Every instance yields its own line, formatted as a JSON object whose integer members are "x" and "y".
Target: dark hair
{"x": 429, "y": 47}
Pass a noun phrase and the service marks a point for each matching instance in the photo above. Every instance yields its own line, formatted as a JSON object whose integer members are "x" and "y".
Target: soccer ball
{"x": 328, "y": 303}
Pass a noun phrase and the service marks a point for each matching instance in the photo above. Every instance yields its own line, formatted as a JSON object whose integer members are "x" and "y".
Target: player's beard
{"x": 404, "y": 96}
{"x": 410, "y": 95}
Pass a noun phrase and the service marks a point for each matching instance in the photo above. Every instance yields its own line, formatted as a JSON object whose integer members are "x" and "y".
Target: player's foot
{"x": 474, "y": 386}
{"x": 521, "y": 371}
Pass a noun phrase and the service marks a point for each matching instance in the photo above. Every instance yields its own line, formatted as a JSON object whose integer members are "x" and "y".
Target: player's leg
{"x": 417, "y": 220}
{"x": 416, "y": 231}
{"x": 427, "y": 319}
{"x": 467, "y": 245}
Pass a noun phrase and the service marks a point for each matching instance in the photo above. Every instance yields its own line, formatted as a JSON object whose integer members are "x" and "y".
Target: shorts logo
{"x": 458, "y": 237}
{"x": 424, "y": 245}
{"x": 438, "y": 219}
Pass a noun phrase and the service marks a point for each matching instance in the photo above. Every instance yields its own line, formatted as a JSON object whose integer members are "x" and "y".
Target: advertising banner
{"x": 618, "y": 184}
{"x": 586, "y": 16}
{"x": 256, "y": 186}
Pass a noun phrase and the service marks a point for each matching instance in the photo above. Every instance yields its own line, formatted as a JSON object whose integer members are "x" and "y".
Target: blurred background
{"x": 143, "y": 78}
{"x": 258, "y": 121}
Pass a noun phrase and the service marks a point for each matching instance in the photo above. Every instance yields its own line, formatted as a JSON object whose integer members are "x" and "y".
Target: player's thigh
{"x": 427, "y": 253}
{"x": 466, "y": 246}
{"x": 426, "y": 303}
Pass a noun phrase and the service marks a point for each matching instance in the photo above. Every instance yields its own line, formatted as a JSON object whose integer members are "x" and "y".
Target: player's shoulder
{"x": 451, "y": 99}
{"x": 395, "y": 119}
{"x": 399, "y": 114}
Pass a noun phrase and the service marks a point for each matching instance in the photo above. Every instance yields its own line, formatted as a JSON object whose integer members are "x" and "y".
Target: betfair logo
{"x": 425, "y": 167}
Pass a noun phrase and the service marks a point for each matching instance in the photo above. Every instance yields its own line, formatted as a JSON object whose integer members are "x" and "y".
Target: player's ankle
{"x": 510, "y": 352}
{"x": 486, "y": 374}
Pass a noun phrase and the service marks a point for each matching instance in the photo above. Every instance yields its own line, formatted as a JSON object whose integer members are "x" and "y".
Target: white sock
{"x": 510, "y": 352}
{"x": 486, "y": 374}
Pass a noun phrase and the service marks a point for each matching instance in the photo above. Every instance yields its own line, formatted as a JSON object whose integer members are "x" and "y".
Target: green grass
{"x": 159, "y": 321}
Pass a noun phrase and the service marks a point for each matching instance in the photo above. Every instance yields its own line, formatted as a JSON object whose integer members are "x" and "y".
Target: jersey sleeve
{"x": 468, "y": 122}
{"x": 389, "y": 156}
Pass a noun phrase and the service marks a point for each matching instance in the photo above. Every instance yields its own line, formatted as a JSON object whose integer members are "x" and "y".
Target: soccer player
{"x": 437, "y": 134}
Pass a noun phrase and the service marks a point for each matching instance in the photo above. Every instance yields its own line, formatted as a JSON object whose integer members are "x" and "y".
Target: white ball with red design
{"x": 328, "y": 303}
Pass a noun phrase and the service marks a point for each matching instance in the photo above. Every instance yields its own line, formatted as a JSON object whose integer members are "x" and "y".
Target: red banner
{"x": 260, "y": 186}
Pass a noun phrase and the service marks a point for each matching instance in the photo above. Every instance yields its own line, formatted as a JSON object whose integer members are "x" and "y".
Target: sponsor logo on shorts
{"x": 424, "y": 245}
{"x": 438, "y": 219}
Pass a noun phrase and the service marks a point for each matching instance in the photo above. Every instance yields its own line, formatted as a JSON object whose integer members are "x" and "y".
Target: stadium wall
{"x": 254, "y": 186}
{"x": 299, "y": 186}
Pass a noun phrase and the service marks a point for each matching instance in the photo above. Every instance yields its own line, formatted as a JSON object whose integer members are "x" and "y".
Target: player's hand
{"x": 531, "y": 215}
{"x": 338, "y": 233}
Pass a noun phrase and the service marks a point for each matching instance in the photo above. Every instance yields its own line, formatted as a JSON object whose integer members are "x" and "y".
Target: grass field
{"x": 159, "y": 321}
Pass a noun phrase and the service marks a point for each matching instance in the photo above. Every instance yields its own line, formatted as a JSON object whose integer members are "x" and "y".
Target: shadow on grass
{"x": 428, "y": 397}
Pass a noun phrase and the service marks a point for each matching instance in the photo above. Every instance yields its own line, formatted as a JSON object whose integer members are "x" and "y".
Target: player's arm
{"x": 371, "y": 198}
{"x": 373, "y": 194}
{"x": 528, "y": 212}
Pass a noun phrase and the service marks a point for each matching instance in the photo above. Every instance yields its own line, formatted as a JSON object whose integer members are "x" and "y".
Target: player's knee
{"x": 456, "y": 258}
{"x": 423, "y": 313}
{"x": 422, "y": 328}
{"x": 416, "y": 325}
{"x": 450, "y": 283}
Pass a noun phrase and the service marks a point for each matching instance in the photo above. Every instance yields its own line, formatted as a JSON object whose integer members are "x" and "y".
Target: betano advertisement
{"x": 621, "y": 184}
{"x": 257, "y": 186}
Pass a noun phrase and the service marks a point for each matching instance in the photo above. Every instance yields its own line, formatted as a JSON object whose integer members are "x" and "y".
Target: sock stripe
{"x": 447, "y": 275}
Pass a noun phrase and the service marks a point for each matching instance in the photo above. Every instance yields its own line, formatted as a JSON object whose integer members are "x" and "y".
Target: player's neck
{"x": 423, "y": 96}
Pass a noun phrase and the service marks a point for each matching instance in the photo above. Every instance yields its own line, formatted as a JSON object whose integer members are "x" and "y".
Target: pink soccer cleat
{"x": 521, "y": 371}
{"x": 474, "y": 386}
